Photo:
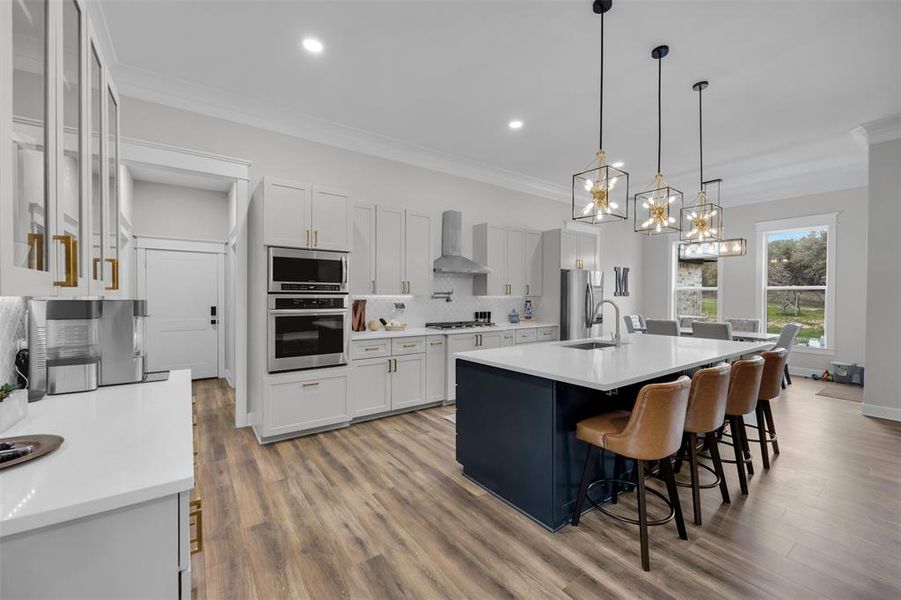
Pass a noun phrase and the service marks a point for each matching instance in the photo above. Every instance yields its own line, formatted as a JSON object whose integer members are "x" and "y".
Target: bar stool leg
{"x": 587, "y": 471}
{"x": 680, "y": 455}
{"x": 745, "y": 445}
{"x": 643, "y": 518}
{"x": 771, "y": 424}
{"x": 695, "y": 485}
{"x": 718, "y": 466}
{"x": 736, "y": 428}
{"x": 763, "y": 436}
{"x": 666, "y": 469}
{"x": 618, "y": 464}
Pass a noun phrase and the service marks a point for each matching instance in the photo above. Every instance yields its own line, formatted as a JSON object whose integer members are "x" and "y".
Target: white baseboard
{"x": 803, "y": 371}
{"x": 230, "y": 379}
{"x": 881, "y": 412}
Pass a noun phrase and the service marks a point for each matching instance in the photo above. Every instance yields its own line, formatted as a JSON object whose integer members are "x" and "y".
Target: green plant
{"x": 5, "y": 390}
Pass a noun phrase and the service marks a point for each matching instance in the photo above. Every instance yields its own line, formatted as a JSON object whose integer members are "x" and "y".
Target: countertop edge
{"x": 420, "y": 331}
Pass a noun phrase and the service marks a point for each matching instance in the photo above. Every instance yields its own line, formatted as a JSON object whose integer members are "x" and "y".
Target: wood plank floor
{"x": 381, "y": 510}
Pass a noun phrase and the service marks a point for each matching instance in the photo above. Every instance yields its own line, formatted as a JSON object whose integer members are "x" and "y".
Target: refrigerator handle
{"x": 589, "y": 306}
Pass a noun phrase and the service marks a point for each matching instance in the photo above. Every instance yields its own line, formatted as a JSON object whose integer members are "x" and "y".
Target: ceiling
{"x": 435, "y": 82}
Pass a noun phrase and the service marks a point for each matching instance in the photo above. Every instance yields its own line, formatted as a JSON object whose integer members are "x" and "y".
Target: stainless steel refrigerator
{"x": 580, "y": 293}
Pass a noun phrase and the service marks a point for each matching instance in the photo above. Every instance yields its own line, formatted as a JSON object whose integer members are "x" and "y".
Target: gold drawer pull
{"x": 409, "y": 345}
{"x": 371, "y": 349}
{"x": 311, "y": 384}
{"x": 196, "y": 521}
{"x": 436, "y": 343}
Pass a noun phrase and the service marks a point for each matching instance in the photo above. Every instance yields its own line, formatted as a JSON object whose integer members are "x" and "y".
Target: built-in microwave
{"x": 308, "y": 331}
{"x": 294, "y": 270}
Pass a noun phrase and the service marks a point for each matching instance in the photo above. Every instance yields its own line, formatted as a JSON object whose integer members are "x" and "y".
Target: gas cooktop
{"x": 458, "y": 324}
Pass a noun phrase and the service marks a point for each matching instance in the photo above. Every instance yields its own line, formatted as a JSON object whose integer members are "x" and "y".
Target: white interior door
{"x": 182, "y": 287}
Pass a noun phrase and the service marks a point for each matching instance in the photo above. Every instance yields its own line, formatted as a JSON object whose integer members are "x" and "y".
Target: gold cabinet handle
{"x": 307, "y": 239}
{"x": 527, "y": 289}
{"x": 372, "y": 281}
{"x": 114, "y": 263}
{"x": 36, "y": 251}
{"x": 315, "y": 237}
{"x": 370, "y": 349}
{"x": 389, "y": 365}
{"x": 70, "y": 245}
{"x": 436, "y": 343}
{"x": 311, "y": 384}
{"x": 196, "y": 520}
{"x": 409, "y": 345}
{"x": 94, "y": 264}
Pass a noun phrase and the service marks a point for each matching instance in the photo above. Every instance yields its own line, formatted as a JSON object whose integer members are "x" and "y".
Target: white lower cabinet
{"x": 302, "y": 400}
{"x": 508, "y": 338}
{"x": 547, "y": 334}
{"x": 383, "y": 384}
{"x": 436, "y": 368}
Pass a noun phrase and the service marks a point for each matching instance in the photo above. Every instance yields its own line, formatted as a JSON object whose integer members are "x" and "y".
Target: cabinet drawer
{"x": 407, "y": 345}
{"x": 306, "y": 401}
{"x": 370, "y": 348}
{"x": 508, "y": 338}
{"x": 524, "y": 336}
{"x": 547, "y": 334}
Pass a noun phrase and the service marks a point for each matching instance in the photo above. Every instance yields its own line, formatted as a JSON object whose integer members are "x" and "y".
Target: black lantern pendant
{"x": 600, "y": 194}
{"x": 703, "y": 221}
{"x": 657, "y": 208}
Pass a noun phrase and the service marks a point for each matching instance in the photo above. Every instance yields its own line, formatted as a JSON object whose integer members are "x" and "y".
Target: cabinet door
{"x": 547, "y": 334}
{"x": 588, "y": 250}
{"x": 286, "y": 214}
{"x": 389, "y": 250}
{"x": 418, "y": 254}
{"x": 489, "y": 340}
{"x": 362, "y": 259}
{"x": 569, "y": 249}
{"x": 456, "y": 343}
{"x": 496, "y": 259}
{"x": 436, "y": 366}
{"x": 507, "y": 339}
{"x": 291, "y": 405}
{"x": 370, "y": 387}
{"x": 330, "y": 220}
{"x": 97, "y": 192}
{"x": 516, "y": 252}
{"x": 533, "y": 262}
{"x": 408, "y": 381}
{"x": 111, "y": 268}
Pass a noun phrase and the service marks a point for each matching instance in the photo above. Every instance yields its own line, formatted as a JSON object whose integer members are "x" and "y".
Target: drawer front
{"x": 524, "y": 336}
{"x": 290, "y": 406}
{"x": 408, "y": 345}
{"x": 547, "y": 334}
{"x": 369, "y": 348}
{"x": 508, "y": 338}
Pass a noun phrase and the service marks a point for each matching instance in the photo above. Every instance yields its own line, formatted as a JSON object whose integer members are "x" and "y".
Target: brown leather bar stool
{"x": 770, "y": 389}
{"x": 705, "y": 415}
{"x": 651, "y": 431}
{"x": 744, "y": 387}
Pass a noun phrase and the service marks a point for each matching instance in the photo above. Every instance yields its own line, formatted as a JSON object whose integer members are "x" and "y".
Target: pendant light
{"x": 703, "y": 221}
{"x": 657, "y": 208}
{"x": 593, "y": 198}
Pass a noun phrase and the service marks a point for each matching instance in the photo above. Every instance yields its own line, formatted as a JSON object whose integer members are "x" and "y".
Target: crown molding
{"x": 878, "y": 131}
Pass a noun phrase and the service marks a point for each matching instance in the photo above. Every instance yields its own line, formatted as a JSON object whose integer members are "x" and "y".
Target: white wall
{"x": 882, "y": 394}
{"x": 179, "y": 212}
{"x": 739, "y": 285}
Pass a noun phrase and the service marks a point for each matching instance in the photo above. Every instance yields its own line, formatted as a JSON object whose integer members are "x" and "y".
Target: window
{"x": 797, "y": 258}
{"x": 695, "y": 291}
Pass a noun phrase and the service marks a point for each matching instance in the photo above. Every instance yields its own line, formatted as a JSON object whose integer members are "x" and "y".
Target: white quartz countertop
{"x": 413, "y": 331}
{"x": 639, "y": 358}
{"x": 123, "y": 445}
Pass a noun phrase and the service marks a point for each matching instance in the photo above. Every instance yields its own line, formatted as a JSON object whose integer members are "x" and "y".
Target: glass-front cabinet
{"x": 59, "y": 154}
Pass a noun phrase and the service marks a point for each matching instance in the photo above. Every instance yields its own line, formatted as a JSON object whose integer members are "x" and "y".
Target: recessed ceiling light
{"x": 515, "y": 124}
{"x": 312, "y": 45}
{"x": 618, "y": 164}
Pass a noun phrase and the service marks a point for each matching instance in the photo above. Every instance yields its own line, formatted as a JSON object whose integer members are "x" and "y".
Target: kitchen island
{"x": 517, "y": 410}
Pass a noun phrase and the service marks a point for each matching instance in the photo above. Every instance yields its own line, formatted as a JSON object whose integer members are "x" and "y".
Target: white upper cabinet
{"x": 588, "y": 250}
{"x": 417, "y": 253}
{"x": 578, "y": 249}
{"x": 330, "y": 220}
{"x": 59, "y": 154}
{"x": 392, "y": 251}
{"x": 301, "y": 215}
{"x": 513, "y": 254}
{"x": 362, "y": 260}
{"x": 533, "y": 263}
{"x": 389, "y": 251}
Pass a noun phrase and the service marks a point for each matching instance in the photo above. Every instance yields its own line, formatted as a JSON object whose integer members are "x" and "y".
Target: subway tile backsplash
{"x": 423, "y": 309}
{"x": 12, "y": 328}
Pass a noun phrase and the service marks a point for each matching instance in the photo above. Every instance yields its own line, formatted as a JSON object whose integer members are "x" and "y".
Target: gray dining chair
{"x": 748, "y": 325}
{"x": 685, "y": 321}
{"x": 787, "y": 340}
{"x": 711, "y": 330}
{"x": 634, "y": 323}
{"x": 662, "y": 327}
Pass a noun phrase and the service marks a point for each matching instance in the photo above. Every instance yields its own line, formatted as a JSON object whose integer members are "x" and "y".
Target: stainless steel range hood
{"x": 452, "y": 259}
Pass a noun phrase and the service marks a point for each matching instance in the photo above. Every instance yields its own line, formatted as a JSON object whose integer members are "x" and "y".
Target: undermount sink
{"x": 592, "y": 345}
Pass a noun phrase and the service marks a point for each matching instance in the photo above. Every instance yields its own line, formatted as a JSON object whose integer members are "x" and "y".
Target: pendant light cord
{"x": 701, "y": 135}
{"x": 659, "y": 111}
{"x": 601, "y": 103}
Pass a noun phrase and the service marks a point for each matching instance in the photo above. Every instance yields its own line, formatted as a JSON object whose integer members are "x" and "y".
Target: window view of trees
{"x": 696, "y": 289}
{"x": 796, "y": 283}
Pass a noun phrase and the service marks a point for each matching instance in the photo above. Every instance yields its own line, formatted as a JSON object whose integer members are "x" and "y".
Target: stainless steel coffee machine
{"x": 76, "y": 345}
